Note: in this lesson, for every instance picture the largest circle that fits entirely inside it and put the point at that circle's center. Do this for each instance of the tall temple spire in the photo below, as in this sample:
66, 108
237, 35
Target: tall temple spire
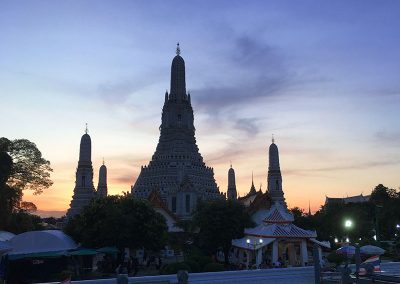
177, 169
232, 193
309, 208
85, 149
102, 185
274, 175
178, 81
84, 188
252, 188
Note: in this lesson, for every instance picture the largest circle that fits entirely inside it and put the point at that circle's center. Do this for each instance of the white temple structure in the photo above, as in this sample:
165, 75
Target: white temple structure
275, 239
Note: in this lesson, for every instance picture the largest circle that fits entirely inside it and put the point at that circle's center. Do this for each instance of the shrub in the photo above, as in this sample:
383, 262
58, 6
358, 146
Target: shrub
194, 266
173, 268
202, 260
213, 267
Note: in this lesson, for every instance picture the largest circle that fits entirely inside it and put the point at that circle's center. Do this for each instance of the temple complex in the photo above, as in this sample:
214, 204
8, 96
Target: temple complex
275, 240
177, 170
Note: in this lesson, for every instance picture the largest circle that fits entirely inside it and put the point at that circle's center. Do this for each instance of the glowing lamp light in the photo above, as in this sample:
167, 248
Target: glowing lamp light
375, 237
348, 224
347, 240
261, 241
398, 226
248, 241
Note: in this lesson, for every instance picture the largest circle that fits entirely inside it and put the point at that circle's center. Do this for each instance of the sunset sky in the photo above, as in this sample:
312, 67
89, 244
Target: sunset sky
322, 76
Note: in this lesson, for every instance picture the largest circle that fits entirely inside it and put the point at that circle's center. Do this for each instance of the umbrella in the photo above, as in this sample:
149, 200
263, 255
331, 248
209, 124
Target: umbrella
373, 250
346, 250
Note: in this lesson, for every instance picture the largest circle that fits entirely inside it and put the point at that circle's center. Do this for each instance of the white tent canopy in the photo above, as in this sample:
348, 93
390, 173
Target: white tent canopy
41, 241
6, 236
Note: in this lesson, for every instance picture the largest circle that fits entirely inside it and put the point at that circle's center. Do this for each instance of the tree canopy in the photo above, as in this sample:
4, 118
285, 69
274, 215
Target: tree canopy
21, 167
219, 222
121, 221
29, 169
377, 216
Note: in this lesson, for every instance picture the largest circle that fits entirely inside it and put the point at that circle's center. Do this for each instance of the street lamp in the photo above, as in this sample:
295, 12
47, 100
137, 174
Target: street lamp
254, 244
348, 224
336, 240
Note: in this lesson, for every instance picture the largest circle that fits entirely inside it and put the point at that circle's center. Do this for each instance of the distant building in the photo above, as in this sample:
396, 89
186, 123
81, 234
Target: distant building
177, 170
346, 200
84, 190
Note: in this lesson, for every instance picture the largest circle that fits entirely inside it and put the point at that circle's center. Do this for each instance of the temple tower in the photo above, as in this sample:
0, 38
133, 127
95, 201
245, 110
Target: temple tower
232, 193
177, 170
84, 190
274, 175
102, 186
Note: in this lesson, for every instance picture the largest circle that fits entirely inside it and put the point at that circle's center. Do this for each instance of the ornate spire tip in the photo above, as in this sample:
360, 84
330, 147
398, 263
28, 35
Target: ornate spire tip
178, 49
273, 138
86, 130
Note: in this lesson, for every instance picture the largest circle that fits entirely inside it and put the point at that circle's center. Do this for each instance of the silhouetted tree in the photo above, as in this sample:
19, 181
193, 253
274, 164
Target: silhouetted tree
29, 169
219, 222
382, 194
121, 221
21, 167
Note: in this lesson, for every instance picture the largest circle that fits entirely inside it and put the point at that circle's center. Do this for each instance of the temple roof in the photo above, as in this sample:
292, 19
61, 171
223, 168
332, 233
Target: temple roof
279, 231
278, 214
156, 201
262, 201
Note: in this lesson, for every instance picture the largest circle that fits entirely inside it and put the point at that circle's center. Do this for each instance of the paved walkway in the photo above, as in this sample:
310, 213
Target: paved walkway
297, 275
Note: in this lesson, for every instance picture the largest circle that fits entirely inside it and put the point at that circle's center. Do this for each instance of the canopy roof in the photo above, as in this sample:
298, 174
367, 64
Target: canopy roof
6, 236
266, 230
4, 247
254, 244
41, 241
324, 244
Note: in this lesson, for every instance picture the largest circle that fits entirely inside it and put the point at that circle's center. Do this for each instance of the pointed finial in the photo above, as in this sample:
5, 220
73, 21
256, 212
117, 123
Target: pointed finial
178, 49
231, 164
252, 178
86, 130
273, 138
103, 161
309, 208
